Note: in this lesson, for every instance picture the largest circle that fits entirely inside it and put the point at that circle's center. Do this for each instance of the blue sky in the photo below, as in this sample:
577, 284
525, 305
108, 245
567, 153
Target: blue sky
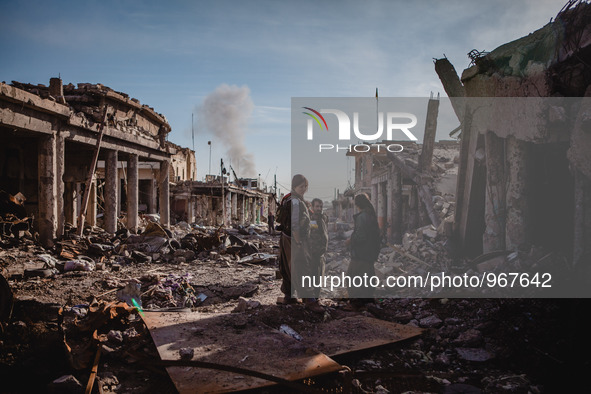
171, 55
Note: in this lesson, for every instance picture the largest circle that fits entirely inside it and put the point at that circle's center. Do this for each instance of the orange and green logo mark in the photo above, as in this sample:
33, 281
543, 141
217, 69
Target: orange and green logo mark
316, 118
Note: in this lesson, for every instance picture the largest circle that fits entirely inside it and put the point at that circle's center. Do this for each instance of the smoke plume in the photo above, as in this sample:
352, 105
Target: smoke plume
225, 113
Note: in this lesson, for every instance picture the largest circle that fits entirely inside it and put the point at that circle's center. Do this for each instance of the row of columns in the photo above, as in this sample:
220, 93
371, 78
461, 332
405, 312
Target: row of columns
238, 206
56, 202
242, 207
386, 197
111, 194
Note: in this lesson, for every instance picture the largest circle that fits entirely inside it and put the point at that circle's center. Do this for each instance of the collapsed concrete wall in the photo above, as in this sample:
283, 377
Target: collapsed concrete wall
524, 168
408, 189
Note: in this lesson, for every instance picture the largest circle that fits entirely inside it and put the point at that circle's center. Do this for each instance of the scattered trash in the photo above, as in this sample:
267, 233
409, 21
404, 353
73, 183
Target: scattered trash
81, 264
284, 328
259, 258
49, 260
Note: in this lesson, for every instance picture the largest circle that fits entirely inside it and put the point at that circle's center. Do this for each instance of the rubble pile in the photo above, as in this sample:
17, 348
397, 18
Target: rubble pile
423, 250
105, 332
465, 347
225, 270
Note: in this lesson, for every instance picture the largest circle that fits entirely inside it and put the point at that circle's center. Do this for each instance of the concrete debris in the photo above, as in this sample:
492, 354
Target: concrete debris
212, 280
115, 337
245, 304
66, 384
430, 322
209, 249
108, 382
284, 328
474, 354
82, 264
186, 353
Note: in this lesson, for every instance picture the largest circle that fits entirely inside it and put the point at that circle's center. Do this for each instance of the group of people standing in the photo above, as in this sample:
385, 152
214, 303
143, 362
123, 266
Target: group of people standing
304, 241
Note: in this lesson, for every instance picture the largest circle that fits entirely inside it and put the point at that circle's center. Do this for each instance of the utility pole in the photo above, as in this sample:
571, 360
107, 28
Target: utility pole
223, 197
377, 111
193, 132
209, 143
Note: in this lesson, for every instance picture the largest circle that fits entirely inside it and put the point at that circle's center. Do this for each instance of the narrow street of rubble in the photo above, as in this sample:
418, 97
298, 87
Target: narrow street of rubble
476, 345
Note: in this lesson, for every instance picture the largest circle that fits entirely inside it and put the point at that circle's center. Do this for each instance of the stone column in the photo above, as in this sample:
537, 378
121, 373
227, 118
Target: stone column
413, 215
396, 205
234, 213
253, 212
186, 208
164, 194
192, 203
60, 165
381, 207
228, 202
582, 222
494, 214
389, 196
153, 201
132, 192
91, 209
78, 200
120, 176
241, 209
69, 210
111, 197
426, 155
47, 178
212, 209
516, 225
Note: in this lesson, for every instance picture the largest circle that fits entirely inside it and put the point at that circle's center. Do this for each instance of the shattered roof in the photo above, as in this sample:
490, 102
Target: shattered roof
85, 99
568, 34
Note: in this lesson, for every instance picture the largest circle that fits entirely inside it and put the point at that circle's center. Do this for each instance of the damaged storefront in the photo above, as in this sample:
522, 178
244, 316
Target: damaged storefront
216, 202
49, 138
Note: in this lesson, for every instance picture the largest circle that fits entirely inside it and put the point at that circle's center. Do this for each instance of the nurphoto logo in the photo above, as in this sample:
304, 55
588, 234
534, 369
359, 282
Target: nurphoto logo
395, 121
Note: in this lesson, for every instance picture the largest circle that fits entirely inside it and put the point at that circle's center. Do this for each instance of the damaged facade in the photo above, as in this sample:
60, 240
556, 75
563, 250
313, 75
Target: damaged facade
408, 189
49, 137
182, 168
524, 178
202, 202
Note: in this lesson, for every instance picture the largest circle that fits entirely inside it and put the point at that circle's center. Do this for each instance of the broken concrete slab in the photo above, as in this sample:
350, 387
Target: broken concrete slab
223, 344
219, 341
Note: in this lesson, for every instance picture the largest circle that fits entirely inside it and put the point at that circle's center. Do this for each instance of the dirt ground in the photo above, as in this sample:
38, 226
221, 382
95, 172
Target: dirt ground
468, 346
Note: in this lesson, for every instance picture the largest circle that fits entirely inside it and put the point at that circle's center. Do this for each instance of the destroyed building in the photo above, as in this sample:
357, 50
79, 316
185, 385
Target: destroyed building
218, 201
524, 175
183, 166
409, 189
49, 136
404, 197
